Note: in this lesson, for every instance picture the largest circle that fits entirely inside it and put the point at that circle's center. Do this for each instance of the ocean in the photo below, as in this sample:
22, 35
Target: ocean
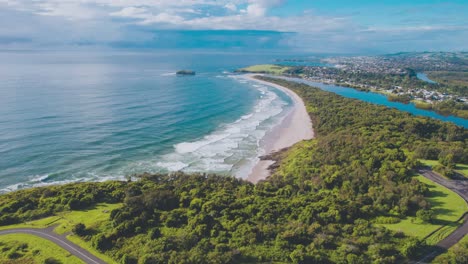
70, 116
91, 116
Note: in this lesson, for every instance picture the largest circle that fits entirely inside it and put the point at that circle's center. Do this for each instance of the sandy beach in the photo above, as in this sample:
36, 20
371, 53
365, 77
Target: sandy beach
295, 127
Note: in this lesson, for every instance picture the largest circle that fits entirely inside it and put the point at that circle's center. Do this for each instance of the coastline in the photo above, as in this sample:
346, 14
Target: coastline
295, 127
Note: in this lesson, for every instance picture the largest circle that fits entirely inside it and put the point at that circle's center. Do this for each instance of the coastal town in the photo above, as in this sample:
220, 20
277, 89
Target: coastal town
431, 80
345, 75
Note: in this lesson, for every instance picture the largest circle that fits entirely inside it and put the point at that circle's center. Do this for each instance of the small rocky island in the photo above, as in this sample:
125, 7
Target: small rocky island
185, 72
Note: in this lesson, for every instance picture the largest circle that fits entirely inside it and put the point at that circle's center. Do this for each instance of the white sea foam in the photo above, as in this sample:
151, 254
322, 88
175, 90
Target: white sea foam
43, 180
168, 74
232, 148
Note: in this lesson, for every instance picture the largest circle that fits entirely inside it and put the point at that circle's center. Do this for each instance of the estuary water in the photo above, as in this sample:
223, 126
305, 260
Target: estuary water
72, 116
380, 99
422, 76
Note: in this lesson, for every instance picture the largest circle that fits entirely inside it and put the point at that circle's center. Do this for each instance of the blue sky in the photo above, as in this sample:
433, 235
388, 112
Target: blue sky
342, 26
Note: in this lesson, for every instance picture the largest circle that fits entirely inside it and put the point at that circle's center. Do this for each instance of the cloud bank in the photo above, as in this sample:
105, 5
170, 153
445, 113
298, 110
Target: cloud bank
46, 23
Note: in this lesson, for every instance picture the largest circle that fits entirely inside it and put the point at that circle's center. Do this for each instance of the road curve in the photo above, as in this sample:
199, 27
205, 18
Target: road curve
459, 186
61, 241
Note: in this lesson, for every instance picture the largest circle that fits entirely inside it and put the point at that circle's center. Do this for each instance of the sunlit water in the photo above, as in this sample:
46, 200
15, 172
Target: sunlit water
76, 116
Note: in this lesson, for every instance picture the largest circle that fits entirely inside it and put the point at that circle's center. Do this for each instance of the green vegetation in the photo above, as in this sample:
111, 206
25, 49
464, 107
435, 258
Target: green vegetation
451, 107
457, 80
447, 206
455, 255
422, 105
462, 169
406, 99
93, 219
29, 249
396, 86
319, 206
265, 68
450, 171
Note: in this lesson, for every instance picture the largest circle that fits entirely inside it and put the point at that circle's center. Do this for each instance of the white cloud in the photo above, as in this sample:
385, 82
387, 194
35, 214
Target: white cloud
256, 10
131, 12
231, 7
109, 20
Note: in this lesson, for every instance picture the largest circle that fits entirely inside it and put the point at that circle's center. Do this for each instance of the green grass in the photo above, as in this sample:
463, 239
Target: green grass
86, 245
448, 208
460, 168
265, 68
24, 248
422, 105
93, 218
429, 163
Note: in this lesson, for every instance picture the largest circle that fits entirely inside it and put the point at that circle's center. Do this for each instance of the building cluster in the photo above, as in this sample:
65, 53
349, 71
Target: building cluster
366, 64
398, 63
344, 76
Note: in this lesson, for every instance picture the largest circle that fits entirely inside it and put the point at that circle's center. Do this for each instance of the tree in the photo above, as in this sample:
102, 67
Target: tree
425, 215
79, 229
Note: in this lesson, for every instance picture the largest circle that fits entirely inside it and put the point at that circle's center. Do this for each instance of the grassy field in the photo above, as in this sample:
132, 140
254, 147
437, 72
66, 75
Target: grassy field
460, 168
24, 248
448, 208
265, 68
429, 163
93, 218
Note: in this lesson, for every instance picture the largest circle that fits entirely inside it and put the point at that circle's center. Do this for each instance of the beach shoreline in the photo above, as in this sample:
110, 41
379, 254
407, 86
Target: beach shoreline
295, 127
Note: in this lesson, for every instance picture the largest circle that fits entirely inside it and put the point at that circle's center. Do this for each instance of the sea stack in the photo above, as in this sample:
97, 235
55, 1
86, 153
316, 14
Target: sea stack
185, 72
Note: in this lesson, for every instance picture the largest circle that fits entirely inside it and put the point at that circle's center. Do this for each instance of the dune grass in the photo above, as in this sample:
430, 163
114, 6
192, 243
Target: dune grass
448, 208
24, 248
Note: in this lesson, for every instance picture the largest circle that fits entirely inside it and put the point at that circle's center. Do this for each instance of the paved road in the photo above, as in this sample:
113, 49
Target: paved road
62, 241
459, 186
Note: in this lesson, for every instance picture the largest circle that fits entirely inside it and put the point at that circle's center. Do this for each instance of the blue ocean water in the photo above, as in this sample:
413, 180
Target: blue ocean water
74, 116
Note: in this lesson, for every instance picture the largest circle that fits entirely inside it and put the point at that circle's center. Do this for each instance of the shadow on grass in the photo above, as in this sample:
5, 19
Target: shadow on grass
434, 194
444, 223
429, 253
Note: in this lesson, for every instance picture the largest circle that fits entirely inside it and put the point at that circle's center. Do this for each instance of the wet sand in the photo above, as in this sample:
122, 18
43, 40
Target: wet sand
295, 127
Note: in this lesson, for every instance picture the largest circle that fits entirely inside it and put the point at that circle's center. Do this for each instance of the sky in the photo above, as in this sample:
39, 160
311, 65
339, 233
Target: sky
327, 26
